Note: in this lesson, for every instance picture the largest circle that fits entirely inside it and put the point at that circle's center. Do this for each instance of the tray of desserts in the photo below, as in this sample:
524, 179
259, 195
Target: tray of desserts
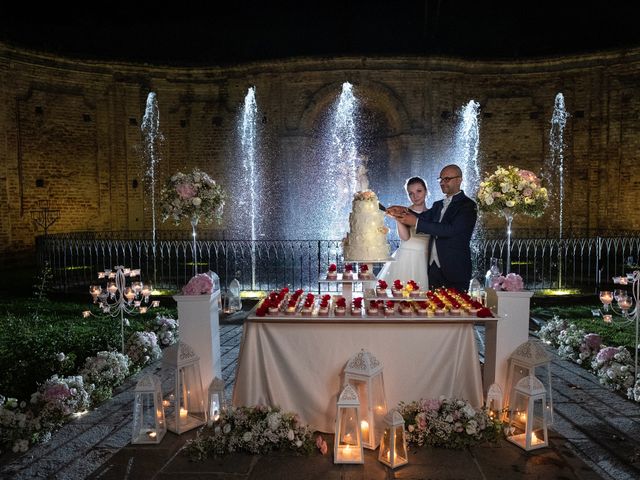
439, 303
349, 274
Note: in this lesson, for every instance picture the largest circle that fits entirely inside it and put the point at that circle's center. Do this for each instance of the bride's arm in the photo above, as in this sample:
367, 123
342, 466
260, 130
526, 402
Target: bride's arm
403, 231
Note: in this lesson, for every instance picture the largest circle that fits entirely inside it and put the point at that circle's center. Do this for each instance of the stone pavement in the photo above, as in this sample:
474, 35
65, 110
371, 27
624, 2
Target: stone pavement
596, 434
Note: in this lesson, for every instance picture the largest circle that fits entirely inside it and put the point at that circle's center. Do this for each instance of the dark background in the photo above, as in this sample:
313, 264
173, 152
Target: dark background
192, 33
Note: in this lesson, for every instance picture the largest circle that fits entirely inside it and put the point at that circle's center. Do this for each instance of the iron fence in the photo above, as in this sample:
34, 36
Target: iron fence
544, 263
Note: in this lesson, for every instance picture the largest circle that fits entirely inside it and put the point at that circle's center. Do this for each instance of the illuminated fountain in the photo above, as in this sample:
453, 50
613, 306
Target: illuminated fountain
554, 174
152, 139
467, 146
248, 135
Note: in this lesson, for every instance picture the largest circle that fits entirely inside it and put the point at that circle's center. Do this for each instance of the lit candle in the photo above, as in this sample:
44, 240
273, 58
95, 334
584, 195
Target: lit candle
86, 313
165, 403
143, 309
348, 453
607, 318
364, 428
152, 435
183, 415
155, 303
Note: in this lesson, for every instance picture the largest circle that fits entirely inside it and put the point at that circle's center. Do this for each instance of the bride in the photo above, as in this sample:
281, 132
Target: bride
411, 257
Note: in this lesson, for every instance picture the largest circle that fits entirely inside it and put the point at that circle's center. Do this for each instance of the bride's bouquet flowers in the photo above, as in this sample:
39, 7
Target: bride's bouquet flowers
194, 196
512, 189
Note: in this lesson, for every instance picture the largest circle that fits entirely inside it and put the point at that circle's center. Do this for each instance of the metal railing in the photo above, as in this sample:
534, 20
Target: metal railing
544, 263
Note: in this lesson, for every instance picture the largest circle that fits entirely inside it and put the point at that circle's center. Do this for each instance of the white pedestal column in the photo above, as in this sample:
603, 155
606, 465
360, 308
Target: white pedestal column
512, 330
199, 327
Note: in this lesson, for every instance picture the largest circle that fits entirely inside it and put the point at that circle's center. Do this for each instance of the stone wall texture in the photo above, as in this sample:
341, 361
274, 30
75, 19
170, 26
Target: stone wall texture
71, 129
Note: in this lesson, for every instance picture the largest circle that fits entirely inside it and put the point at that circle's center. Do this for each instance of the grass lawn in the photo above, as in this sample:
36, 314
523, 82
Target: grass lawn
579, 313
33, 333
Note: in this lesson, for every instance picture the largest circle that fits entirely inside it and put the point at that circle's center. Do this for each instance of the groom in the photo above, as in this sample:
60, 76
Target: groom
450, 222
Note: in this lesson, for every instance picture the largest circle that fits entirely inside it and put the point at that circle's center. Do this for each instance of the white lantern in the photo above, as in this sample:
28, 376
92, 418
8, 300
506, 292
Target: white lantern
523, 362
393, 444
216, 400
527, 415
149, 424
495, 400
186, 408
364, 372
347, 444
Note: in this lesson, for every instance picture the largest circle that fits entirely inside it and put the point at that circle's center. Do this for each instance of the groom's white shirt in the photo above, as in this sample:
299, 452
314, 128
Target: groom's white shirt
434, 252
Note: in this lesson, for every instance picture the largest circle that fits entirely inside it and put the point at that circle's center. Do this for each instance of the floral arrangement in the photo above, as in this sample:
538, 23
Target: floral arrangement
614, 367
448, 423
511, 283
166, 330
16, 424
514, 190
58, 398
201, 284
105, 371
142, 349
550, 332
194, 196
255, 430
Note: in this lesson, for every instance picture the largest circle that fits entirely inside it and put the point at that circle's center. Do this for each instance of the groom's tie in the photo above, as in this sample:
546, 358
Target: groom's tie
445, 204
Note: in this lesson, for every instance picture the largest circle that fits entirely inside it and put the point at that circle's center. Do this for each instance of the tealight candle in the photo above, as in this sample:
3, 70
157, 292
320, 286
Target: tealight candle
183, 415
152, 434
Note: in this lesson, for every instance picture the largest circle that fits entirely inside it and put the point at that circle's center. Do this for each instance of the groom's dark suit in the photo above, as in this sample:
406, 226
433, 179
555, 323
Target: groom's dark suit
452, 236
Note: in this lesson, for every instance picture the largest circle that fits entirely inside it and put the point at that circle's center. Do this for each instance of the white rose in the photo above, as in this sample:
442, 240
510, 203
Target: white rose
196, 201
247, 436
509, 203
298, 443
227, 428
291, 435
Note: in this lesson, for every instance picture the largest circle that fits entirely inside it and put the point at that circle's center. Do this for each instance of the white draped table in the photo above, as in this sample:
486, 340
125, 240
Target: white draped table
297, 362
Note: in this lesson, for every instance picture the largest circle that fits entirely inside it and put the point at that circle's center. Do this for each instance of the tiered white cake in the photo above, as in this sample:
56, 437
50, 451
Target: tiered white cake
367, 237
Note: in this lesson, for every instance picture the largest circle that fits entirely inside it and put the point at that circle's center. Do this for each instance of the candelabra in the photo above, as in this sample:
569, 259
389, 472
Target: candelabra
117, 298
623, 310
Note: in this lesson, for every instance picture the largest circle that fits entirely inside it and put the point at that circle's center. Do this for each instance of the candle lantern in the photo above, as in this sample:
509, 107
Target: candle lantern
216, 400
494, 400
393, 444
149, 424
527, 415
364, 372
530, 358
347, 445
186, 409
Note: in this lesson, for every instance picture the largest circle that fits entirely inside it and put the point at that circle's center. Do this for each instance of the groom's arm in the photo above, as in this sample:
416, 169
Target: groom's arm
461, 224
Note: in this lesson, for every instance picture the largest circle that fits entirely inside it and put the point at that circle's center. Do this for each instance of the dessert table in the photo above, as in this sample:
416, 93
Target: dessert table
296, 362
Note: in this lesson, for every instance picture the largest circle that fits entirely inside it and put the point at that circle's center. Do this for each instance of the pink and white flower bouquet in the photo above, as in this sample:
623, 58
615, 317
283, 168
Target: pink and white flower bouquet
518, 191
201, 284
448, 423
511, 283
192, 196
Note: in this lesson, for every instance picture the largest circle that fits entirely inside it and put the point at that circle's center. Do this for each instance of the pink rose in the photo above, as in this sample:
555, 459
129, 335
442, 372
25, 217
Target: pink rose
324, 448
513, 283
529, 176
201, 284
186, 191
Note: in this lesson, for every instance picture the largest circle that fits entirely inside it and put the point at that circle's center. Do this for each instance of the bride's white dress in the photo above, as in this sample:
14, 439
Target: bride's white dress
410, 262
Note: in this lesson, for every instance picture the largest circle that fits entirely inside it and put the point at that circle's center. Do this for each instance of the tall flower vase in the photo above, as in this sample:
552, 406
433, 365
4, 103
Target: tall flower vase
508, 215
194, 224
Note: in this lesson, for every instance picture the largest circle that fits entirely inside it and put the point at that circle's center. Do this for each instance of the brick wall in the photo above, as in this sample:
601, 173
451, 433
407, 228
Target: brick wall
71, 129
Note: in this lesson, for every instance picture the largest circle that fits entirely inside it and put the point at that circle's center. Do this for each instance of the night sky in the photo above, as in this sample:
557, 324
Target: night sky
246, 31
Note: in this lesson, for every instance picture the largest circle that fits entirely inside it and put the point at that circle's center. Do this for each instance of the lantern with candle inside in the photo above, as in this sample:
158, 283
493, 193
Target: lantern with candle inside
364, 372
530, 358
216, 400
494, 401
188, 409
347, 445
527, 415
393, 444
149, 424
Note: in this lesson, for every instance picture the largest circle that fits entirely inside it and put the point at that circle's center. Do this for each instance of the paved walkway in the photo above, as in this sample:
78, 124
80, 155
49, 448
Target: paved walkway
596, 435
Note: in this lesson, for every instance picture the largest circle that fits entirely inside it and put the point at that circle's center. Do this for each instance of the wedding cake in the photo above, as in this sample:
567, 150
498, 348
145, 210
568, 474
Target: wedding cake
367, 237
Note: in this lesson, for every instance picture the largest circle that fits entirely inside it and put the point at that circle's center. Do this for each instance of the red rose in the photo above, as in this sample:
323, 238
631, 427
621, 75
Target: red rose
348, 267
389, 304
364, 268
484, 313
333, 267
357, 302
397, 284
382, 284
